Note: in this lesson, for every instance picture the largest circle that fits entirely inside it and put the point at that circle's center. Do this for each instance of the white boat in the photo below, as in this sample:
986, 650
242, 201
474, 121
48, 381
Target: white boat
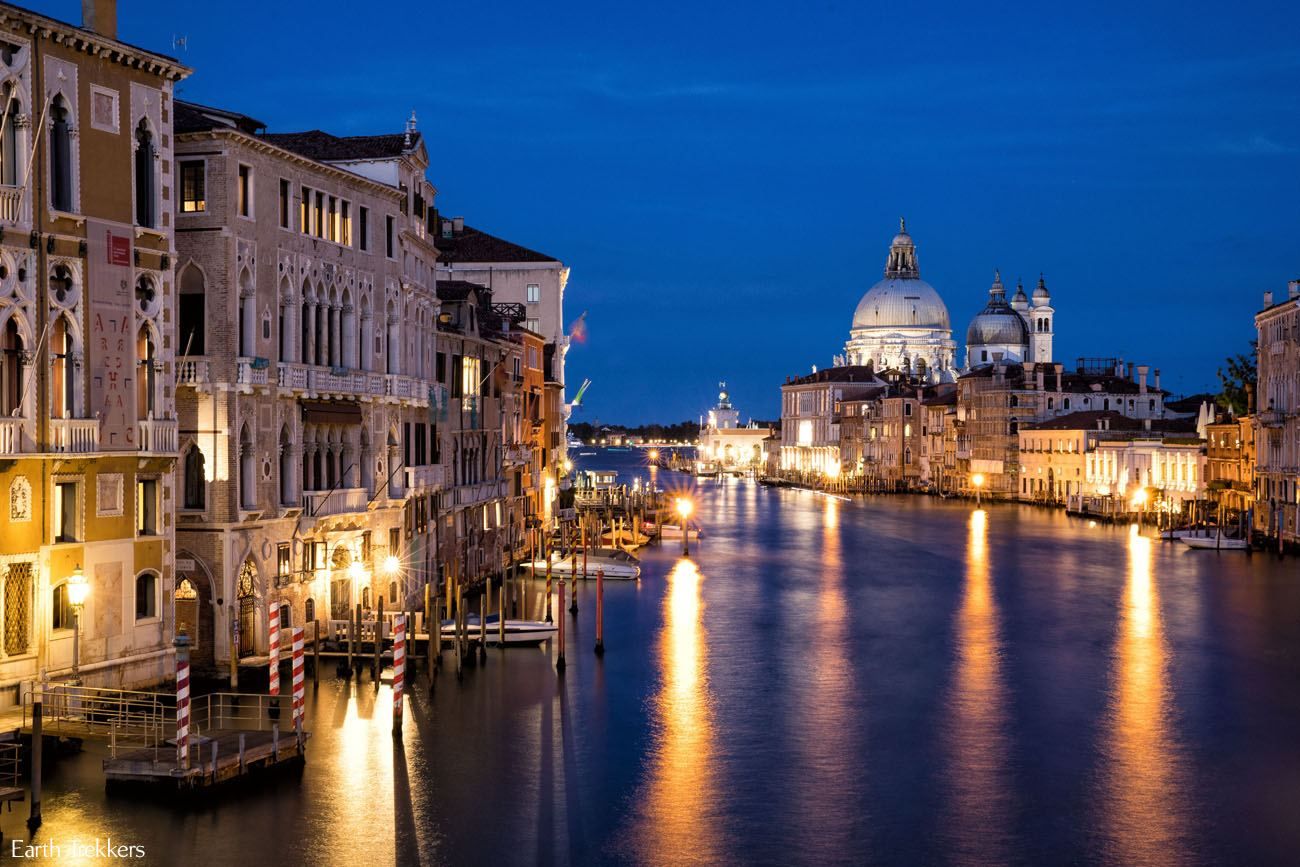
518, 632
674, 531
1185, 532
1216, 542
617, 565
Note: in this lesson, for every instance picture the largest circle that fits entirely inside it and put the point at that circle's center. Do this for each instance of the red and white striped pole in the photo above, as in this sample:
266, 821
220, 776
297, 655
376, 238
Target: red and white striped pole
399, 669
182, 701
298, 680
275, 649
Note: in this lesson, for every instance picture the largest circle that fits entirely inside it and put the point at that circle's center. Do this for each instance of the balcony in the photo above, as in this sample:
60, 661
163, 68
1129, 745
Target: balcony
472, 495
193, 371
517, 454
74, 435
317, 380
252, 372
158, 435
13, 436
340, 501
425, 479
11, 204
1271, 418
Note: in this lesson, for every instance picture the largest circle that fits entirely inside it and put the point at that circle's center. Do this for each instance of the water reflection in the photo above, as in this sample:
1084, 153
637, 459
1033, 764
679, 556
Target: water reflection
979, 800
1144, 819
682, 791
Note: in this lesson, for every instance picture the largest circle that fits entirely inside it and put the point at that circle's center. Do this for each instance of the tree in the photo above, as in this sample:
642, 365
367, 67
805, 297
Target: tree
1238, 380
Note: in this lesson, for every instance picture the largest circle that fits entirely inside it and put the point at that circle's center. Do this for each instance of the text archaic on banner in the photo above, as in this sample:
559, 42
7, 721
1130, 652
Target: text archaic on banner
110, 349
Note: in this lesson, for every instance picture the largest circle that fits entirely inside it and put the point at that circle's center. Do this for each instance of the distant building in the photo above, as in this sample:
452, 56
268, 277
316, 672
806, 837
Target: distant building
1230, 464
1277, 419
727, 446
810, 419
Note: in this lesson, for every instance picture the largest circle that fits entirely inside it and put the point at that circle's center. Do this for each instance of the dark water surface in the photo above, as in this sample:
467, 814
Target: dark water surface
897, 680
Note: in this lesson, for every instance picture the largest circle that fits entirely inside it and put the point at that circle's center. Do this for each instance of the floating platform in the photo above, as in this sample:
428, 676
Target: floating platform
239, 753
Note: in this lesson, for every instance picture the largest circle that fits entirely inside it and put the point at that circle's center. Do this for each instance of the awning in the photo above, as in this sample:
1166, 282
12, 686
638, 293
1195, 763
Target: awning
331, 412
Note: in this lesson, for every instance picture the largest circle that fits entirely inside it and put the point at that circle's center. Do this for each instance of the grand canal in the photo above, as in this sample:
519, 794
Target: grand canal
896, 680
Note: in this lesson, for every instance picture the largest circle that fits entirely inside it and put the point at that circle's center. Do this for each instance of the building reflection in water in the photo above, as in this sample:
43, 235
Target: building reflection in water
1144, 817
677, 824
979, 801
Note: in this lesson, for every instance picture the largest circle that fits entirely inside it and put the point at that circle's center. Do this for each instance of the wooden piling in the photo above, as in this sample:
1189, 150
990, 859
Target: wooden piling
547, 554
482, 621
559, 658
460, 639
242, 747
234, 651
34, 817
600, 612
375, 666
573, 571
501, 616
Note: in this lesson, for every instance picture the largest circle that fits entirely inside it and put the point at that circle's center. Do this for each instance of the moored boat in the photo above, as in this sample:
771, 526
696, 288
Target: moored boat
519, 633
617, 565
1216, 542
674, 531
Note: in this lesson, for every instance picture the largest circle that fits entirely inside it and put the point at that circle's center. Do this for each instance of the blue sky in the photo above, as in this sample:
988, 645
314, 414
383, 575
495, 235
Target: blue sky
724, 179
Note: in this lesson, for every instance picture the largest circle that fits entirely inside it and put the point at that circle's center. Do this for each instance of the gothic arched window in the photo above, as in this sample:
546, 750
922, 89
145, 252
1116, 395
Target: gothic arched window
145, 193
60, 155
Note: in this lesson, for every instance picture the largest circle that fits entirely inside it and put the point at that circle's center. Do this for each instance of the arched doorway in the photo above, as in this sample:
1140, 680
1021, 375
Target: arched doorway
194, 613
247, 602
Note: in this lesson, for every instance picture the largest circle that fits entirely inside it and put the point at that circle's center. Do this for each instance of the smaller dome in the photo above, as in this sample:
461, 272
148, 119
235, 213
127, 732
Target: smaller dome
997, 328
1020, 297
1041, 295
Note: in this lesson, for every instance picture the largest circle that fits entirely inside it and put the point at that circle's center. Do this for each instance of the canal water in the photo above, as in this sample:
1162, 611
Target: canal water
896, 680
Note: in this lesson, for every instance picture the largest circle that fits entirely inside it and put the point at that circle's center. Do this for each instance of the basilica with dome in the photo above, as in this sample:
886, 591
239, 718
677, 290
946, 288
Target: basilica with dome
902, 324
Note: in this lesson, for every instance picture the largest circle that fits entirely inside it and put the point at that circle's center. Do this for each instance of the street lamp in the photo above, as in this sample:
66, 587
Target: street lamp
77, 592
684, 510
978, 481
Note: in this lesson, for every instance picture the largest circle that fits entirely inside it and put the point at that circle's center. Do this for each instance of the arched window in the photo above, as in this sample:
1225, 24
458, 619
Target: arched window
63, 391
247, 471
286, 468
1013, 426
393, 348
195, 483
146, 595
392, 592
10, 171
192, 312
145, 381
247, 316
145, 194
309, 611
286, 331
60, 155
11, 360
286, 621
306, 347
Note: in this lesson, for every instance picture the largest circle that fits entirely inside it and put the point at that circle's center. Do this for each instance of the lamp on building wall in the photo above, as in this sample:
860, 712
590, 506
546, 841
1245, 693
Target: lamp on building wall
77, 591
978, 481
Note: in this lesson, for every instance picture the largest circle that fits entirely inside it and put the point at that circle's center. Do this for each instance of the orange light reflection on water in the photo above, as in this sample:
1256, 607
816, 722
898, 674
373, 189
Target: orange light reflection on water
1144, 811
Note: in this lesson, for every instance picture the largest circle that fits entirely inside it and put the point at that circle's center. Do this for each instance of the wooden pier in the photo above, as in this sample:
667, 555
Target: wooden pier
219, 757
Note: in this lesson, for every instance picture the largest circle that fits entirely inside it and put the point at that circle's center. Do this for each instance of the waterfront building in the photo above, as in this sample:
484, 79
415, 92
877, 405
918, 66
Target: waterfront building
727, 445
481, 517
516, 275
995, 400
939, 441
1097, 460
1017, 331
306, 314
87, 305
901, 322
883, 434
1277, 419
810, 419
1230, 464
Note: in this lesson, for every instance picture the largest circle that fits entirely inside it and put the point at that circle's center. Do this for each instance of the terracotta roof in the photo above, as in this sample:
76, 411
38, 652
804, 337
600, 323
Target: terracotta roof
475, 245
316, 144
1088, 420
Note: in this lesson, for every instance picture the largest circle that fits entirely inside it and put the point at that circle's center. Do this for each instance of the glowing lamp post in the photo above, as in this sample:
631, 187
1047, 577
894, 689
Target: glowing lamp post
1139, 502
77, 591
978, 481
684, 508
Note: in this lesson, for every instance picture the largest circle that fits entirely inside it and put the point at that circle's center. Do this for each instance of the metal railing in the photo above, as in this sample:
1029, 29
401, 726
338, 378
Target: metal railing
10, 765
137, 718
224, 711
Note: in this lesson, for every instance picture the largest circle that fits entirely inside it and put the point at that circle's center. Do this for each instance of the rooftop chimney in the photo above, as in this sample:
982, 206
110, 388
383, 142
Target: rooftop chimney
1142, 378
1040, 373
1268, 299
1146, 424
100, 16
1293, 289
1130, 371
1156, 386
458, 224
1059, 367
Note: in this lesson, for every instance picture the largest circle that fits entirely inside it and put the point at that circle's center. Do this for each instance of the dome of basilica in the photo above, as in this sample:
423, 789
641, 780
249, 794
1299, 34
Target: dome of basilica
998, 324
902, 299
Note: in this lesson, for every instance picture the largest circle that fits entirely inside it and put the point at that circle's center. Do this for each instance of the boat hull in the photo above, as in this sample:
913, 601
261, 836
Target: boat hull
614, 571
519, 633
1210, 543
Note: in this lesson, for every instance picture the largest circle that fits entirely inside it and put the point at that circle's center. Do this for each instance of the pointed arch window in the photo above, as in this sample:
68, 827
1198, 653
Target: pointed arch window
145, 377
195, 483
60, 155
10, 171
11, 362
247, 471
192, 312
63, 372
146, 209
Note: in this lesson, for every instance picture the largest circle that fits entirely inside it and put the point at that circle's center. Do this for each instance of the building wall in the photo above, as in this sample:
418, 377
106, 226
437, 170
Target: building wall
1277, 420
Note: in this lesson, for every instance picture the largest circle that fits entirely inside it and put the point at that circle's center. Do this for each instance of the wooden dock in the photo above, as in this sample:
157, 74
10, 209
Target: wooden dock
216, 758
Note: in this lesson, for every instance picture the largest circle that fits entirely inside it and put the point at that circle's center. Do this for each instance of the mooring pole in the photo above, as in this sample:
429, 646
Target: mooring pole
559, 658
600, 612
34, 819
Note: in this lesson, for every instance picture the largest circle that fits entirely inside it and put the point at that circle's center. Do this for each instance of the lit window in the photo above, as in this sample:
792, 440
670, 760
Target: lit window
146, 507
193, 193
146, 596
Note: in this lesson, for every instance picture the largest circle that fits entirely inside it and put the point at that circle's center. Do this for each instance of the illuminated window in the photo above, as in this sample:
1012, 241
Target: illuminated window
805, 432
193, 187
245, 191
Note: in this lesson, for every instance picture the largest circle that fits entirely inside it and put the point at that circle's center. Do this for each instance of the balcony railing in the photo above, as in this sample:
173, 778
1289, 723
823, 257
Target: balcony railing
12, 436
74, 435
252, 371
158, 435
193, 371
425, 478
517, 454
1271, 418
471, 495
11, 204
339, 501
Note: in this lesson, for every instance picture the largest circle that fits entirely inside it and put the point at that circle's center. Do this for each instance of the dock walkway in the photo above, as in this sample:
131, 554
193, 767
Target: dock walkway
218, 757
